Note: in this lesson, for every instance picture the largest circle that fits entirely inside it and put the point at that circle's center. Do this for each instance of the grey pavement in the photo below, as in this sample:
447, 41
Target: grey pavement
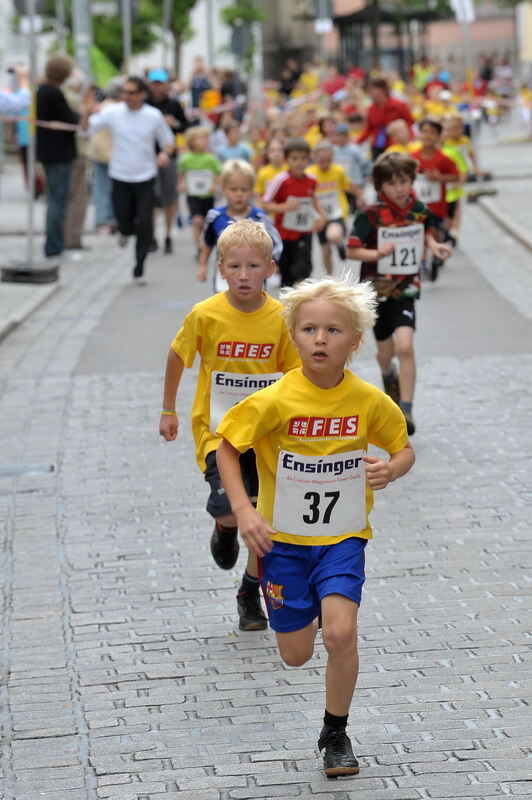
124, 673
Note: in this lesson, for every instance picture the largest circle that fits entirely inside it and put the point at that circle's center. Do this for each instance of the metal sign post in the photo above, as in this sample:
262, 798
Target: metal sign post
30, 13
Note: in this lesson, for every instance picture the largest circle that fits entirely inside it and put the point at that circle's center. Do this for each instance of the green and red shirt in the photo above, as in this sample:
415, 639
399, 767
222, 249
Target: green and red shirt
397, 275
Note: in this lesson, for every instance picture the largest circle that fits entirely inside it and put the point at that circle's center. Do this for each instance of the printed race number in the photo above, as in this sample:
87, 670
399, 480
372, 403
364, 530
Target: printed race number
315, 499
320, 496
302, 219
406, 258
427, 191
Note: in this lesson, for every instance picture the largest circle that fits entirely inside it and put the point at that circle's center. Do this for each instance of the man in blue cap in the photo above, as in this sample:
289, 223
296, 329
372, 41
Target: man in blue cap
166, 181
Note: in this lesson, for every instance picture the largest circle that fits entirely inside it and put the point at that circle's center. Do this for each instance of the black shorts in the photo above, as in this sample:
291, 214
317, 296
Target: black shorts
452, 208
322, 235
218, 504
166, 185
199, 206
392, 314
295, 263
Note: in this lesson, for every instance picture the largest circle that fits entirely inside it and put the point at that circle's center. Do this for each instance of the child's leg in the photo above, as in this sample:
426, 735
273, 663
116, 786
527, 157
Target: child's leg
297, 647
385, 353
327, 258
339, 615
197, 227
404, 349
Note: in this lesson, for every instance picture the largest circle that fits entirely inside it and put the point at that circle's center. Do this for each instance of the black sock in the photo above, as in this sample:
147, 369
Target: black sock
249, 585
390, 376
332, 721
224, 528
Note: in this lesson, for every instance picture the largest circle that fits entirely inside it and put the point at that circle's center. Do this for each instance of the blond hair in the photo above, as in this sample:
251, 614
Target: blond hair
245, 232
237, 167
193, 133
358, 299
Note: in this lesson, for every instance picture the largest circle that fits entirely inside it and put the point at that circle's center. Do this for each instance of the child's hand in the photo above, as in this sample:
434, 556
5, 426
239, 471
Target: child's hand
441, 250
320, 223
202, 273
385, 249
168, 427
378, 472
292, 204
163, 159
255, 532
434, 174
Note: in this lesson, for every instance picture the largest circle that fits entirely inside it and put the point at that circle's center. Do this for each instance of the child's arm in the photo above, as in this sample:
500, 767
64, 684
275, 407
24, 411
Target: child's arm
437, 249
280, 208
369, 256
322, 221
380, 473
203, 261
169, 422
253, 528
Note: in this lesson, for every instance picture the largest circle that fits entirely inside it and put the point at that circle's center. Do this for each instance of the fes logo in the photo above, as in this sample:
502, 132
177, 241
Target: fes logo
314, 427
245, 350
274, 593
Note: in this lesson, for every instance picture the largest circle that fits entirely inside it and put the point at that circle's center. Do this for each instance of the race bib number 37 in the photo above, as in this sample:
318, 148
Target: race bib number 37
320, 496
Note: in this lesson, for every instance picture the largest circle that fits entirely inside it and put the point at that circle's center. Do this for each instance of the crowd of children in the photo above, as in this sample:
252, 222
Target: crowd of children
281, 426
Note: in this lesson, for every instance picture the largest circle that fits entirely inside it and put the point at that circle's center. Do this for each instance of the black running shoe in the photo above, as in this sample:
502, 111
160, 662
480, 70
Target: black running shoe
410, 425
338, 758
138, 271
225, 547
167, 245
436, 265
153, 246
250, 611
391, 387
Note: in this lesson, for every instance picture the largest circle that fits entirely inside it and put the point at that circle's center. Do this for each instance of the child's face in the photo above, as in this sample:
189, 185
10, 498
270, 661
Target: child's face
399, 133
429, 137
237, 191
297, 161
324, 337
324, 158
341, 139
245, 269
454, 128
233, 135
275, 154
397, 189
199, 143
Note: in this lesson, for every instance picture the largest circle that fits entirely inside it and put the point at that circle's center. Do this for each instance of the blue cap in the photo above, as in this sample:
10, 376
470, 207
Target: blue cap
158, 75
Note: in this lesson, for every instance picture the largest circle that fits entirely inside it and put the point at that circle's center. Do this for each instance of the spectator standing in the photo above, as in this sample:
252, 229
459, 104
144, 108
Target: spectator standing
56, 149
99, 151
199, 82
166, 182
21, 99
78, 190
135, 129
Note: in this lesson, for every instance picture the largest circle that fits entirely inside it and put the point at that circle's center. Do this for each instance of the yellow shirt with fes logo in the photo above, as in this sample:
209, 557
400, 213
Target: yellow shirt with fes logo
309, 444
240, 352
333, 183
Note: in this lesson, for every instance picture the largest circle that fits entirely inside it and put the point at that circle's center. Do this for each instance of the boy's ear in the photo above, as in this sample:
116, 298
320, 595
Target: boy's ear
221, 268
271, 269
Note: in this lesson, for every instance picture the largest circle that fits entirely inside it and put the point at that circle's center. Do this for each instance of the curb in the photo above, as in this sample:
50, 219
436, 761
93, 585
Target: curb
502, 219
38, 296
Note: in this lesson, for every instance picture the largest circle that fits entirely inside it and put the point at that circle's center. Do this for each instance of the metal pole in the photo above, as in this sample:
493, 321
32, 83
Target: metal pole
30, 13
126, 34
167, 13
60, 23
82, 27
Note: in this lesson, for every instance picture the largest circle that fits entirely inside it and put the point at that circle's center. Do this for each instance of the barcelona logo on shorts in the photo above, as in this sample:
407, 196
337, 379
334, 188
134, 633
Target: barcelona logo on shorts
274, 593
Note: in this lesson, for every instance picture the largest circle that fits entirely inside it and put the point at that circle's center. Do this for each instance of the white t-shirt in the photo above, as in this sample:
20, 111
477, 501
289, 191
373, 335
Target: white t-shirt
133, 137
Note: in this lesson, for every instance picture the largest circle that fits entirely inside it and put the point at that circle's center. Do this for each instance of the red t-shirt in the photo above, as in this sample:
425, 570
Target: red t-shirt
379, 117
442, 163
282, 187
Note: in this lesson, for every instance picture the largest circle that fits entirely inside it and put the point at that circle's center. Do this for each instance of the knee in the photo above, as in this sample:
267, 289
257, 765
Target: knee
404, 350
340, 638
295, 658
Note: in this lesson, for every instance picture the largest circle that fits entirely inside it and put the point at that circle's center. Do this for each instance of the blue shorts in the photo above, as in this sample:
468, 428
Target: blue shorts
295, 578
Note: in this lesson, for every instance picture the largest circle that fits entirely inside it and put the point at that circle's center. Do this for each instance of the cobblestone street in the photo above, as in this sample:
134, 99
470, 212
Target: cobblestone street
124, 674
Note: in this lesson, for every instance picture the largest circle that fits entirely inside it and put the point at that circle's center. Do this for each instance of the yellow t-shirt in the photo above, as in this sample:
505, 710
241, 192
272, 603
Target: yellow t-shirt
234, 346
265, 176
465, 145
313, 136
333, 183
309, 443
407, 148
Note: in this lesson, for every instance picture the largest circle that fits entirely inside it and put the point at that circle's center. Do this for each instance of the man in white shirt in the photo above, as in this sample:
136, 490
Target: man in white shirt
135, 129
20, 100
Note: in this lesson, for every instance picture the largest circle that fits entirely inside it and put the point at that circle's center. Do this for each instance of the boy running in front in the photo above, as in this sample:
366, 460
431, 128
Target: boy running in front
244, 345
310, 432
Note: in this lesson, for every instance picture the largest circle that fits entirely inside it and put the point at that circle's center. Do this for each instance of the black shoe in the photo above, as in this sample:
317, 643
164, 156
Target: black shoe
437, 263
342, 252
167, 245
410, 426
338, 758
153, 246
138, 271
391, 387
225, 547
250, 612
